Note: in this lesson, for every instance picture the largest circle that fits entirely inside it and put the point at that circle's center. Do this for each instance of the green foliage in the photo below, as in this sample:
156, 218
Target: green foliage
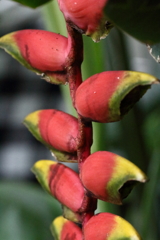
32, 3
26, 212
140, 19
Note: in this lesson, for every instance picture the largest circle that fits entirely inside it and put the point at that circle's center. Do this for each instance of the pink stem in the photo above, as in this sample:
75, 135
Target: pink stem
74, 60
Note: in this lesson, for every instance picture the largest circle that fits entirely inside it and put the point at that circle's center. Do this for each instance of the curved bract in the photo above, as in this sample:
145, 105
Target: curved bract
55, 129
40, 51
111, 177
108, 96
107, 226
62, 183
87, 17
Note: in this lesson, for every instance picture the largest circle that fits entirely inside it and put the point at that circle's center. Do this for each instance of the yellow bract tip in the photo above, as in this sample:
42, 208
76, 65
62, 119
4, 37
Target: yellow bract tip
32, 117
41, 170
57, 226
124, 230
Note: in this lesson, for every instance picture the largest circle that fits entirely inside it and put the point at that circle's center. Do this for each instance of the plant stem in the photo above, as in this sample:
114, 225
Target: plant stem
74, 60
84, 138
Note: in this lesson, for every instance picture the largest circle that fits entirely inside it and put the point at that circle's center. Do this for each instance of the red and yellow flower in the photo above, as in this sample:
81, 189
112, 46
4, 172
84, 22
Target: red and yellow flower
107, 96
110, 177
41, 51
107, 226
55, 129
62, 183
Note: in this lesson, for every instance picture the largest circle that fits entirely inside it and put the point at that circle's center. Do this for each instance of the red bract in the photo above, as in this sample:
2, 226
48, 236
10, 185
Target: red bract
59, 129
63, 184
107, 96
110, 177
41, 51
107, 226
71, 232
54, 128
86, 16
45, 51
63, 229
66, 186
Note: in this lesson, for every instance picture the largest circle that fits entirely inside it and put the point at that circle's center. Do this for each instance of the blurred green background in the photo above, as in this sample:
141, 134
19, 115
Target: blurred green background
26, 211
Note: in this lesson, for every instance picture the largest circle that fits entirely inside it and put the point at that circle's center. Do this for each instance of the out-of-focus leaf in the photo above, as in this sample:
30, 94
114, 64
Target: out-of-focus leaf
154, 51
26, 212
151, 130
140, 19
32, 3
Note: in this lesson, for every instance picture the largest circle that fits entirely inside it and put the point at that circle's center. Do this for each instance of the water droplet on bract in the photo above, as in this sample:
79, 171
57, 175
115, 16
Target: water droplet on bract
95, 92
53, 155
47, 79
118, 77
42, 75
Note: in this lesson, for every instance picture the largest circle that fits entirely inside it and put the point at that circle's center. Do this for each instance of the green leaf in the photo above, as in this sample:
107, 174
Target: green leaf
139, 19
151, 128
32, 3
26, 211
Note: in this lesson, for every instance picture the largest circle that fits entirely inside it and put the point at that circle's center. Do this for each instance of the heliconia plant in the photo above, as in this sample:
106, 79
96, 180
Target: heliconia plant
104, 97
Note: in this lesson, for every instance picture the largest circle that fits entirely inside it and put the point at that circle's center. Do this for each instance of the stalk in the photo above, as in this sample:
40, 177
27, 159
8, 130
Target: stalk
84, 139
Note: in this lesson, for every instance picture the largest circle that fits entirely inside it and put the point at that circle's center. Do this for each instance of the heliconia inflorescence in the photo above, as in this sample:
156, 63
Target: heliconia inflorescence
111, 177
104, 97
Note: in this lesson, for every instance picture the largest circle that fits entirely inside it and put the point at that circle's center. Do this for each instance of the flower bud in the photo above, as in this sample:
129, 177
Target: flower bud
87, 17
63, 229
62, 183
110, 177
107, 226
56, 129
40, 51
107, 96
